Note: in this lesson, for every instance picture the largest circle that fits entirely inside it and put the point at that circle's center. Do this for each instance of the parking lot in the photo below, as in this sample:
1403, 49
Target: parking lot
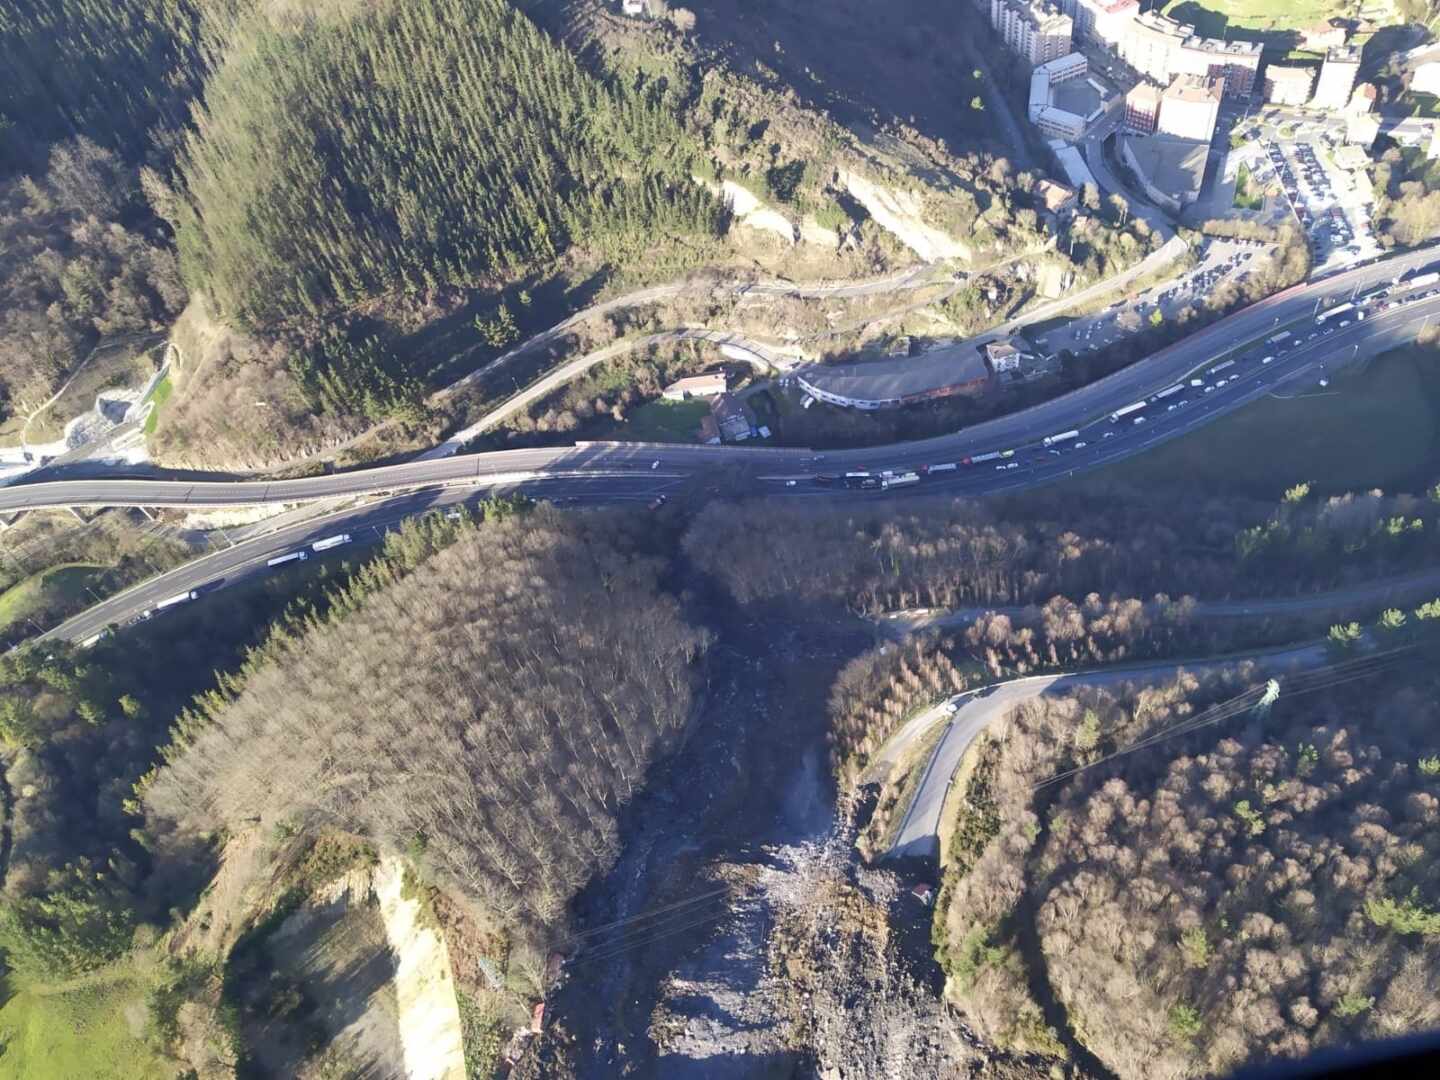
1299, 156
1221, 260
1326, 206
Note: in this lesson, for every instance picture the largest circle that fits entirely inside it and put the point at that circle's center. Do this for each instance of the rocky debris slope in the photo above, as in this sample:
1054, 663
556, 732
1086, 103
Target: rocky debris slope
808, 977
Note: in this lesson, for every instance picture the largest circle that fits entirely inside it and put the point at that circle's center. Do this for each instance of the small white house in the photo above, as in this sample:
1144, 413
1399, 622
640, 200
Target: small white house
696, 386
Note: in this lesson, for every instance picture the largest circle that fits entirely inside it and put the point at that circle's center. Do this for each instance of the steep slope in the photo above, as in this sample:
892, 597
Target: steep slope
412, 144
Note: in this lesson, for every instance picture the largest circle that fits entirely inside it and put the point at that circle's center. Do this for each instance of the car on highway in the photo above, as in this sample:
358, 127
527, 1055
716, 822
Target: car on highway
654, 465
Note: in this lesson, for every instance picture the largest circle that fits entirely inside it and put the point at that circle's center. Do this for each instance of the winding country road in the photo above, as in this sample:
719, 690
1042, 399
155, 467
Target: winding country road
1402, 588
919, 832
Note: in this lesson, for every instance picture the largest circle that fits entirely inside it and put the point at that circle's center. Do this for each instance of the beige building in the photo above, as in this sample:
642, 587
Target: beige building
1337, 78
1142, 109
1288, 85
1190, 106
1032, 29
1326, 35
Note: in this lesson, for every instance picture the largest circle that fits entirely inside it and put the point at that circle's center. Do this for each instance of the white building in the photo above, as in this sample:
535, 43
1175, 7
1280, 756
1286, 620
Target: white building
1189, 107
1288, 85
1426, 78
696, 386
1043, 113
1337, 78
1033, 29
1104, 22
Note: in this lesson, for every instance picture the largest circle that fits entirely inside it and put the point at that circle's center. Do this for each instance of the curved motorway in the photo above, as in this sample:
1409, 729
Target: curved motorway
1084, 409
638, 472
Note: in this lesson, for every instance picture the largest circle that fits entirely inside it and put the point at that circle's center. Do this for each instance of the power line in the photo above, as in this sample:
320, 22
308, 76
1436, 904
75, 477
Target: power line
608, 951
649, 914
1305, 683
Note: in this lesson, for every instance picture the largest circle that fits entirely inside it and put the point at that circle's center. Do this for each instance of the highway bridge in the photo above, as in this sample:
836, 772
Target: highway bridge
610, 473
1295, 308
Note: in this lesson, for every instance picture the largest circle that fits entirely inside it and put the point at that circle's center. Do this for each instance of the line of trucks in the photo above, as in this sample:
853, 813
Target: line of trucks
194, 594
887, 479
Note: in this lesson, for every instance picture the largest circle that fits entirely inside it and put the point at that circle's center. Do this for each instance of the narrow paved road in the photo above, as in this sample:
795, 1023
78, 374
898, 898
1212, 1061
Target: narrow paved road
919, 832
1390, 590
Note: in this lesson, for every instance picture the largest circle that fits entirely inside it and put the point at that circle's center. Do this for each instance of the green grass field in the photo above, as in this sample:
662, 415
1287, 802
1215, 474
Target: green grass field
58, 585
664, 421
1376, 427
92, 1030
1212, 17
1247, 193
161, 394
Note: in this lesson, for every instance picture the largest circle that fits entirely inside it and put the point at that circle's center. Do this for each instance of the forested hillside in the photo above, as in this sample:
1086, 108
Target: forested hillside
1258, 887
1028, 549
406, 145
111, 70
490, 714
80, 259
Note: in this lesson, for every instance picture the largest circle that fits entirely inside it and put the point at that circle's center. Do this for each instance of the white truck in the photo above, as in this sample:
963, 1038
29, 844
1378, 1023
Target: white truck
294, 556
1064, 436
894, 480
178, 598
330, 542
1120, 414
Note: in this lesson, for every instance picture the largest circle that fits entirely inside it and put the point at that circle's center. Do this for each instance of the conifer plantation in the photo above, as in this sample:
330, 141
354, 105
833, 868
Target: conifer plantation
411, 145
111, 70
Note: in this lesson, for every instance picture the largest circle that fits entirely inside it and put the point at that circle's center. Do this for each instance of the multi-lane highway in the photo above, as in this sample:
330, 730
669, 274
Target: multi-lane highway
365, 524
637, 472
1078, 409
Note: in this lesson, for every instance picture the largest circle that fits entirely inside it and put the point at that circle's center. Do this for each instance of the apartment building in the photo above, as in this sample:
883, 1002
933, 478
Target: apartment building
1337, 78
1034, 30
1043, 113
1102, 21
1162, 48
1288, 85
1190, 107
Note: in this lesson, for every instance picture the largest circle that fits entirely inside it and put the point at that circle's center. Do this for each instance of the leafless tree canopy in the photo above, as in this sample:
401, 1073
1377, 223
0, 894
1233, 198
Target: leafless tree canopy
71, 273
1258, 889
495, 707
883, 557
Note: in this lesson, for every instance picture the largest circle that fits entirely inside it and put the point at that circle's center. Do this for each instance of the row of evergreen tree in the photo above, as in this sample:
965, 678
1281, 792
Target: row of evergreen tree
111, 70
410, 146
